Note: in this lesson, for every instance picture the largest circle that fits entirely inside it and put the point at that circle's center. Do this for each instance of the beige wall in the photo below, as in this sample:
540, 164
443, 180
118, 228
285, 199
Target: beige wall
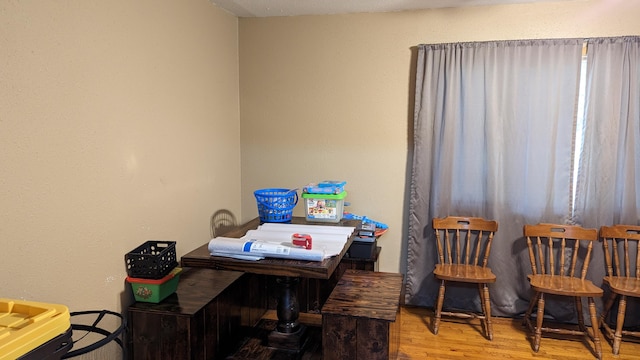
330, 97
119, 123
124, 121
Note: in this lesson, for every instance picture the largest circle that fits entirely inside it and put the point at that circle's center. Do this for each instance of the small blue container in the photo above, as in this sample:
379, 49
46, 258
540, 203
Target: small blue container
276, 205
325, 187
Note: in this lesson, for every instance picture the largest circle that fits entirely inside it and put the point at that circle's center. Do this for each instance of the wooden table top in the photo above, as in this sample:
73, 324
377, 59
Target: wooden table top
201, 257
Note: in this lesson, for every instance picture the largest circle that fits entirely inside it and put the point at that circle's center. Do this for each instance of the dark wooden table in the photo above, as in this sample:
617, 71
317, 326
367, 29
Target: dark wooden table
289, 333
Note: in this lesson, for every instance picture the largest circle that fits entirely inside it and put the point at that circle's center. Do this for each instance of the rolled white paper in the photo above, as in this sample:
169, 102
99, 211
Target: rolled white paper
231, 247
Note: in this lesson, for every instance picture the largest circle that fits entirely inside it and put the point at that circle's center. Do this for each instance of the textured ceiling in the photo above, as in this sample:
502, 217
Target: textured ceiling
266, 8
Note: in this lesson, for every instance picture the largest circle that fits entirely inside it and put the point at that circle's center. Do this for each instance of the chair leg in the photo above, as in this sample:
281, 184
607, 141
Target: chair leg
532, 304
486, 309
594, 327
607, 307
539, 318
606, 329
578, 304
438, 315
617, 337
483, 311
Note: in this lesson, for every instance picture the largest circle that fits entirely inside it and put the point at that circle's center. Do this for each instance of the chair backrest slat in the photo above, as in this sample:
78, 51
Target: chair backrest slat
638, 259
458, 246
487, 250
587, 260
467, 240
532, 257
555, 249
619, 258
447, 239
627, 267
467, 248
439, 247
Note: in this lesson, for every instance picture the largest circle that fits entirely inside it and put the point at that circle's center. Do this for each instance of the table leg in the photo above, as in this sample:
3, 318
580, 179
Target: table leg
289, 333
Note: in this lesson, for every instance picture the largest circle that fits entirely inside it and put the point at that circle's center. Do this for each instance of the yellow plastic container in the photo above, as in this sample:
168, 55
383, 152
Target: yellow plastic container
25, 325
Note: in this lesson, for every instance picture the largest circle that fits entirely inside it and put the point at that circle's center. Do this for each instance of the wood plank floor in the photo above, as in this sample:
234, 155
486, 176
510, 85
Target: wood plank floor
460, 339
456, 339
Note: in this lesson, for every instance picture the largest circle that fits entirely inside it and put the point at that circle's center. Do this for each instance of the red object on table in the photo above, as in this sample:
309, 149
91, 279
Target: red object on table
303, 240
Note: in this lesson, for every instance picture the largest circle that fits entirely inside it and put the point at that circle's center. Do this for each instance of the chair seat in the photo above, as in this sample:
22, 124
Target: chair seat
623, 285
464, 273
564, 285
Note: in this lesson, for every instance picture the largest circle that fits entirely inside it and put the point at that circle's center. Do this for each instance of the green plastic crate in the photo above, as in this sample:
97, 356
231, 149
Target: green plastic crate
152, 290
324, 207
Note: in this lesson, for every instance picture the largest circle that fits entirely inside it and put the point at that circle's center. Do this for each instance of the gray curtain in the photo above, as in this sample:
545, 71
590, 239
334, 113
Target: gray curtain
608, 190
608, 186
493, 130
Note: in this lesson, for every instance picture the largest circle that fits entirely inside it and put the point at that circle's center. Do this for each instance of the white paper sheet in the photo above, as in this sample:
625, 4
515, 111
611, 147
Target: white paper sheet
285, 236
274, 240
299, 228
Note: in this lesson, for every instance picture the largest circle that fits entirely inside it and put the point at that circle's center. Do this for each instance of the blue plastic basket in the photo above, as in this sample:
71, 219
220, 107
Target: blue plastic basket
276, 205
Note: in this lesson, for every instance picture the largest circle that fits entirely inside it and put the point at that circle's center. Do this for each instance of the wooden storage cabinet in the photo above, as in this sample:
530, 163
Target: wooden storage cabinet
361, 318
199, 321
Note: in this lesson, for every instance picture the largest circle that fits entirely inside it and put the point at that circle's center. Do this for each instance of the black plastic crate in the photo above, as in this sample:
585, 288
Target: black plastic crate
152, 260
363, 250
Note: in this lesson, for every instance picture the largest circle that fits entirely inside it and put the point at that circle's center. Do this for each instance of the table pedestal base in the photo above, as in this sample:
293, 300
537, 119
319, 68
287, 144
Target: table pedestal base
254, 344
288, 341
289, 333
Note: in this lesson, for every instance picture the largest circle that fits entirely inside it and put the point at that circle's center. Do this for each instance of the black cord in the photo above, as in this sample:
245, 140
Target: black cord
109, 335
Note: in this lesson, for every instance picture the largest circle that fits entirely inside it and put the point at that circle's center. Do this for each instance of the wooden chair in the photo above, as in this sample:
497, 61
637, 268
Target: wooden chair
622, 258
560, 257
464, 244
